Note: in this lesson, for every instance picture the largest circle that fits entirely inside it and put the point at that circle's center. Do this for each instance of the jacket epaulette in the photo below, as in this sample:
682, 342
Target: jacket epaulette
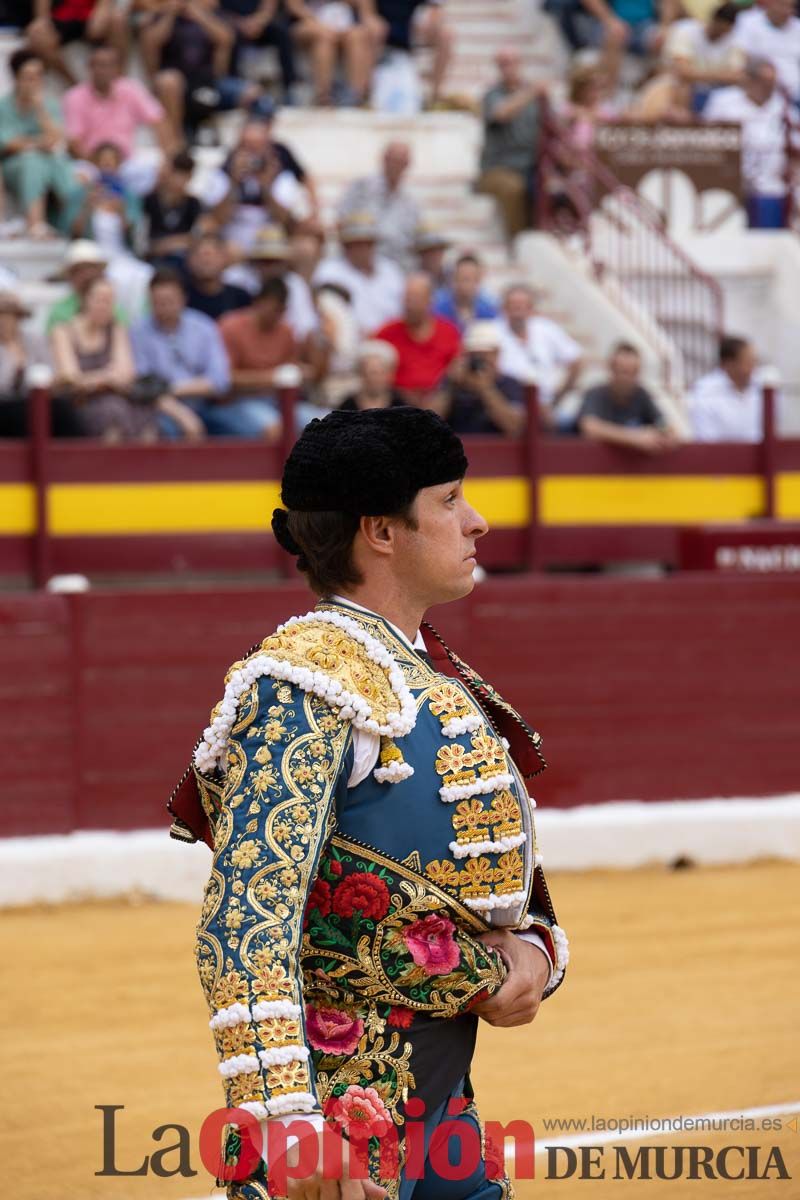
329, 655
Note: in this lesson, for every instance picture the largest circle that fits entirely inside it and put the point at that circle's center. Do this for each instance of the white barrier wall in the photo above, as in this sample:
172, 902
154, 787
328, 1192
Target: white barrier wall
147, 863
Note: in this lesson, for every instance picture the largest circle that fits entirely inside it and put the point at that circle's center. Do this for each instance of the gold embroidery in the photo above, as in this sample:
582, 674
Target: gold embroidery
287, 1077
282, 771
319, 646
448, 700
470, 821
506, 813
476, 877
244, 1088
238, 1039
443, 873
509, 873
279, 1031
452, 759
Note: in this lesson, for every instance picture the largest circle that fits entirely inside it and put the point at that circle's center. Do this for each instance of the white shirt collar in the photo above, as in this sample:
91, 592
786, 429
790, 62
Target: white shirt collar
417, 644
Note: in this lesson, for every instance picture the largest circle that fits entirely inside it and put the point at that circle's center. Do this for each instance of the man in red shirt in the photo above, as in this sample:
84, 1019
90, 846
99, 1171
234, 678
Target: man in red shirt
425, 343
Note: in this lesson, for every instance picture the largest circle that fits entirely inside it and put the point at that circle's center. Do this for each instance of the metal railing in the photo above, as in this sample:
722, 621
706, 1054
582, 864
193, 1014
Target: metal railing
625, 240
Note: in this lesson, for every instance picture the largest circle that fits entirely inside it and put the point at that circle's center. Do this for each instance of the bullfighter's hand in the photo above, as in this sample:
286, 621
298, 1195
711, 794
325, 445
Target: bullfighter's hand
517, 1001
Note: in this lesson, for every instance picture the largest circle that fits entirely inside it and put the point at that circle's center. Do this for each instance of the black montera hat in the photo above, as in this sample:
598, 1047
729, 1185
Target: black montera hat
367, 463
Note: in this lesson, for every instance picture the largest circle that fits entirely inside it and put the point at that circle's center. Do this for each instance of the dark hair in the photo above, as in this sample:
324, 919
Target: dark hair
165, 276
182, 161
209, 235
730, 348
624, 348
274, 289
325, 540
102, 146
21, 58
99, 47
727, 13
468, 258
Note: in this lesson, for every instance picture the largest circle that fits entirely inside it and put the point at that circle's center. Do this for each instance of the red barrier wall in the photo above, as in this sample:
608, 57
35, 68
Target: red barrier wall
642, 689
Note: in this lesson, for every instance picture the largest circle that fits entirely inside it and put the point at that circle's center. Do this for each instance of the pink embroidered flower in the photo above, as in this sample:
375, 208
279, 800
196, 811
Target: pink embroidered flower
432, 945
333, 1031
361, 1113
365, 893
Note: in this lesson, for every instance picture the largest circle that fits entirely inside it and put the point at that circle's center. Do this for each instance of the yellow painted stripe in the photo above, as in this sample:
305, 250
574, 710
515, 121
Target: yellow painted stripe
648, 500
17, 509
504, 502
228, 506
139, 508
787, 495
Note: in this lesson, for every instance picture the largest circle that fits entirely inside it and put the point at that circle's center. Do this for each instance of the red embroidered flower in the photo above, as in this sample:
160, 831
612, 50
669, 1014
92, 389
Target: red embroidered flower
390, 1156
400, 1017
494, 1158
360, 1113
364, 893
335, 867
483, 994
432, 945
333, 1031
318, 898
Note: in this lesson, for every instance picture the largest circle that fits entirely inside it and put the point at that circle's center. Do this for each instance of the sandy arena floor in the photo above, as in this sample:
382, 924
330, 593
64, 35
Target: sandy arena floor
681, 999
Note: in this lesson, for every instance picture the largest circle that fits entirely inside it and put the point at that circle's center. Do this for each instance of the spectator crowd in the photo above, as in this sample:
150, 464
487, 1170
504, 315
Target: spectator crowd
189, 307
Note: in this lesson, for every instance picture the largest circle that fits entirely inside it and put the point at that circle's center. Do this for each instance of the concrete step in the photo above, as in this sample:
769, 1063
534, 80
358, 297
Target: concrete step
32, 261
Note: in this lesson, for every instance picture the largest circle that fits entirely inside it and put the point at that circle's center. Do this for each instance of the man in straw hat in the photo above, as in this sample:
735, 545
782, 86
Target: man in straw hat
377, 886
269, 258
374, 283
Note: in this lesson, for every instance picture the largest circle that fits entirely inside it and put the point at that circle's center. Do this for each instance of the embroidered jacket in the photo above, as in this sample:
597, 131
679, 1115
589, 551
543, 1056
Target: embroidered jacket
340, 919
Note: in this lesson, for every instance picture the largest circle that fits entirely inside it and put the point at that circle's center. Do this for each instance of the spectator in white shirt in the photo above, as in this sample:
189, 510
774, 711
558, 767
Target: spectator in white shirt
534, 349
705, 54
375, 284
726, 405
772, 31
396, 209
762, 111
255, 188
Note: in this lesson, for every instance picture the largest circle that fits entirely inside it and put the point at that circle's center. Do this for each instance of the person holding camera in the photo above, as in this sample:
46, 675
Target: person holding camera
481, 400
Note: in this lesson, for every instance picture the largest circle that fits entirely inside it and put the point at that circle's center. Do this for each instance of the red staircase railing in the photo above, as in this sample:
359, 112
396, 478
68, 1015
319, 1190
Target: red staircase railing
627, 245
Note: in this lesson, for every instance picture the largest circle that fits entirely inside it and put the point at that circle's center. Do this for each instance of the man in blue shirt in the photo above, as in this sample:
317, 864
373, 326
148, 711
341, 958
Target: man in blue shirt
185, 349
463, 301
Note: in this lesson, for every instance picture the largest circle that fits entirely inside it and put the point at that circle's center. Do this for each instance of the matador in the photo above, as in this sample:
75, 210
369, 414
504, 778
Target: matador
376, 887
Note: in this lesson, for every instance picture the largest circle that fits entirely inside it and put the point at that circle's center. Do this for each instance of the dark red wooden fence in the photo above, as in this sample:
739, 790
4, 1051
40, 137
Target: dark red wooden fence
684, 687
